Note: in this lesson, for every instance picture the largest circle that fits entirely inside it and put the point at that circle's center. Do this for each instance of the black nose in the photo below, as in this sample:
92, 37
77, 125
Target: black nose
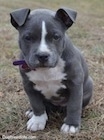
43, 57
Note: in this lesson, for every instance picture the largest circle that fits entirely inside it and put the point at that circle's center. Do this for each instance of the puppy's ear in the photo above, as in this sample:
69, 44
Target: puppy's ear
18, 17
67, 16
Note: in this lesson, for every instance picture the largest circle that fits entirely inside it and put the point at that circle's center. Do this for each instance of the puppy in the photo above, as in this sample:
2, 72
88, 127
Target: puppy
57, 73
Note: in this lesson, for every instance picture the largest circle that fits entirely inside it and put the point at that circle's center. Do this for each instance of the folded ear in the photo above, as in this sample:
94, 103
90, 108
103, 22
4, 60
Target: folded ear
18, 17
67, 16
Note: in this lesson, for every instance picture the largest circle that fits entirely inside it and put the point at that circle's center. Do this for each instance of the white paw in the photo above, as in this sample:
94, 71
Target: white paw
69, 129
37, 122
29, 113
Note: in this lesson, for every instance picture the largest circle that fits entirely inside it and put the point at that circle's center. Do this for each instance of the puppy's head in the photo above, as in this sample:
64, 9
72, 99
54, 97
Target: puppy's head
42, 34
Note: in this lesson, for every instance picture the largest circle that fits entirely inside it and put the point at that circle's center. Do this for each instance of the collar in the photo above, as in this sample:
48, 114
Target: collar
22, 64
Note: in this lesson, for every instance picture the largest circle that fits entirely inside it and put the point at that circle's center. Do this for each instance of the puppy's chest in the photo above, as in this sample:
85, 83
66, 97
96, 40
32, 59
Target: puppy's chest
48, 80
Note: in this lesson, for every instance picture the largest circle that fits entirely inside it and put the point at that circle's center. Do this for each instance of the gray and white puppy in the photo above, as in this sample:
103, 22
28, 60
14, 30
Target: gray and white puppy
58, 74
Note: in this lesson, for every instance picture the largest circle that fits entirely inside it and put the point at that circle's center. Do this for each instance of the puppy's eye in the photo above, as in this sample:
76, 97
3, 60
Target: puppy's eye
27, 37
56, 36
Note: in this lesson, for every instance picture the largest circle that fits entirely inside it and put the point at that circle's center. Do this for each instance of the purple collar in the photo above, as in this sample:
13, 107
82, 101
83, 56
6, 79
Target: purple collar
22, 64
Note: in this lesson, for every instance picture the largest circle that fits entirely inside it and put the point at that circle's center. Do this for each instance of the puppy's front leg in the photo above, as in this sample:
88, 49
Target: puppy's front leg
38, 117
74, 109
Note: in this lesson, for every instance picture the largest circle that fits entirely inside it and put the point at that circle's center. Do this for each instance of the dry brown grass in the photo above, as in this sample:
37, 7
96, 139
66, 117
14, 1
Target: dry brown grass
88, 34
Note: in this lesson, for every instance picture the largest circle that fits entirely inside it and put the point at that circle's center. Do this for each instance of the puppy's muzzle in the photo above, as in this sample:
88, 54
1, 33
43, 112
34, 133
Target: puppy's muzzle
43, 57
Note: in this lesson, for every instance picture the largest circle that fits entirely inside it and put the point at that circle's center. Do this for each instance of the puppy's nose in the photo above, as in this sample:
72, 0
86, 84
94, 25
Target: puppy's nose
43, 57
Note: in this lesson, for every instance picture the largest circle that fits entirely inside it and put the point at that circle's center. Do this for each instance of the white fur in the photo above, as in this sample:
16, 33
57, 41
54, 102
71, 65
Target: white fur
37, 122
69, 129
43, 46
48, 80
29, 114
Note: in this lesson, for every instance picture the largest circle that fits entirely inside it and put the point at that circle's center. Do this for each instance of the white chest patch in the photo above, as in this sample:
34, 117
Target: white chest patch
48, 80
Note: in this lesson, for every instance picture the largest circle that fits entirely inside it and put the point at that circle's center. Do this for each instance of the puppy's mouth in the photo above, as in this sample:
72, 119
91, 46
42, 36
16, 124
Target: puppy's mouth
23, 65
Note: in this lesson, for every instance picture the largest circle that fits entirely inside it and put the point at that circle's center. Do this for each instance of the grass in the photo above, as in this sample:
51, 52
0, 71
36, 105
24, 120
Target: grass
88, 35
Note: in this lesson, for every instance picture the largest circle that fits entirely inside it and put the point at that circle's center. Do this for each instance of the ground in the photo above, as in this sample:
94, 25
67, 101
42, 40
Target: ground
88, 34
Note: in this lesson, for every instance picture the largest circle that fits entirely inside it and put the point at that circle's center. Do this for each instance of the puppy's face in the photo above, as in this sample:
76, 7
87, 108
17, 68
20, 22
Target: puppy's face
41, 35
41, 40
